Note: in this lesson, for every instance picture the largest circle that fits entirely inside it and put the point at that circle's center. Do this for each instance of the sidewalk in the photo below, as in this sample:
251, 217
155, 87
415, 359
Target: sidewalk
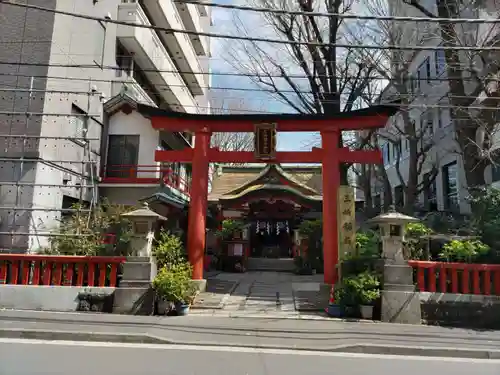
262, 293
323, 335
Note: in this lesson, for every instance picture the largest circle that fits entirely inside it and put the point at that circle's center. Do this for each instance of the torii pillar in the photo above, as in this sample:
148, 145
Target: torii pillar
331, 182
198, 205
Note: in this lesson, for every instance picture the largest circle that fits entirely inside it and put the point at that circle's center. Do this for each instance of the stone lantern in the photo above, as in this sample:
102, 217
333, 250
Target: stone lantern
392, 226
143, 221
400, 300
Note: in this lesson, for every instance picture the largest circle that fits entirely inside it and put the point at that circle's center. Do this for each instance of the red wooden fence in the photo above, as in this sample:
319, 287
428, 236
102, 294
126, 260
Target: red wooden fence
483, 279
27, 269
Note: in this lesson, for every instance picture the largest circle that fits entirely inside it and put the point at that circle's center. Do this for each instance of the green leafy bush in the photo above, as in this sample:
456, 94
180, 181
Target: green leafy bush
464, 250
174, 283
368, 244
416, 240
361, 289
229, 227
169, 250
85, 233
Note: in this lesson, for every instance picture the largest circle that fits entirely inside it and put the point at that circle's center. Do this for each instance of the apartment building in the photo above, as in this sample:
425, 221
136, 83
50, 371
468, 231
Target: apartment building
427, 87
67, 125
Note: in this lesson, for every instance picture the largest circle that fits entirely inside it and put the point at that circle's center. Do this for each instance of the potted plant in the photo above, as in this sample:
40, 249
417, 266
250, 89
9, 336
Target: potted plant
362, 290
174, 284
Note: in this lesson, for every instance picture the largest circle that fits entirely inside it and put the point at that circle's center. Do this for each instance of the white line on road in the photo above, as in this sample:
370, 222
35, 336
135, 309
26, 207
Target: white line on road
240, 350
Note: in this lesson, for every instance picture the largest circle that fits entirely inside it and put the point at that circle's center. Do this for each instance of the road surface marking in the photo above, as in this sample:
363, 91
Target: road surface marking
239, 350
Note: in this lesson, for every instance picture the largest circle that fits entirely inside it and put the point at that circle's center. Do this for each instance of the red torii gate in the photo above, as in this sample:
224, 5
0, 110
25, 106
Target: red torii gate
330, 155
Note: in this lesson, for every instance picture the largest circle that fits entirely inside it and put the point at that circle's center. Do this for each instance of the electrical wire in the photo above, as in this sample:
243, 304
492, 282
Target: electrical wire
254, 39
343, 15
399, 96
224, 74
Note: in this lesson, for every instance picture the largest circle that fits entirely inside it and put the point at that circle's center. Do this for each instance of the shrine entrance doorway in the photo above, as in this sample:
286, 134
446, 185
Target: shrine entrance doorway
271, 239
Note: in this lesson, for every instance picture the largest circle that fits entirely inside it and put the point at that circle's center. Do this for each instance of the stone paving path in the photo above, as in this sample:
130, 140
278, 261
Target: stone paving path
274, 294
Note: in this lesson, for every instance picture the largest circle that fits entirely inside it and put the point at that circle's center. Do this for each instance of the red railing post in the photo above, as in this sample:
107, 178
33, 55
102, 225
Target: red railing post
36, 273
442, 279
496, 282
432, 278
3, 272
465, 281
68, 278
487, 282
476, 281
15, 272
80, 269
113, 275
25, 276
454, 280
47, 273
103, 268
58, 273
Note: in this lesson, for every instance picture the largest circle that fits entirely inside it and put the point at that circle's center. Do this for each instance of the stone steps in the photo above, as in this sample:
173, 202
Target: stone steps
272, 265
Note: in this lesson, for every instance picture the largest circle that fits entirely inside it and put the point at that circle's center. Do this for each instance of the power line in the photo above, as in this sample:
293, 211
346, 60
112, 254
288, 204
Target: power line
400, 96
344, 16
254, 39
228, 74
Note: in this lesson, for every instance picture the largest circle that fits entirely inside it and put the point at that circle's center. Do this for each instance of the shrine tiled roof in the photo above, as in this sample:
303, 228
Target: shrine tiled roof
259, 187
230, 179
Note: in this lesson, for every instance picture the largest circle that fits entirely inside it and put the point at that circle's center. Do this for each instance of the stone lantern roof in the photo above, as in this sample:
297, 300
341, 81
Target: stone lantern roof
144, 213
393, 217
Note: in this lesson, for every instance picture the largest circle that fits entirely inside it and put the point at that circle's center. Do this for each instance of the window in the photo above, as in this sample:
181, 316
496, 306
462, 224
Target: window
423, 73
386, 153
78, 125
450, 186
439, 62
427, 124
495, 169
399, 197
123, 156
430, 192
99, 43
440, 121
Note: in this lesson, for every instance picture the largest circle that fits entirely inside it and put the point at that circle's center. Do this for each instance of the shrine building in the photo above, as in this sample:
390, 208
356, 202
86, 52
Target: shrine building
272, 200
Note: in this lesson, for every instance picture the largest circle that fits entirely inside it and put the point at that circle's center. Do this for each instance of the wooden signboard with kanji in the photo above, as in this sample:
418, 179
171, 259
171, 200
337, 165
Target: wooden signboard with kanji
265, 141
346, 221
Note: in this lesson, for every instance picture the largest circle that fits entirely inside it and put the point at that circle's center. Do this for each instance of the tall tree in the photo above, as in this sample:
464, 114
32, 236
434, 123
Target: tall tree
319, 77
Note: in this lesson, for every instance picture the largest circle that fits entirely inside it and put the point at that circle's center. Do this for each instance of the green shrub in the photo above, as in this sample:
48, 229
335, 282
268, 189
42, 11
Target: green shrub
464, 250
361, 289
174, 283
416, 240
169, 250
229, 227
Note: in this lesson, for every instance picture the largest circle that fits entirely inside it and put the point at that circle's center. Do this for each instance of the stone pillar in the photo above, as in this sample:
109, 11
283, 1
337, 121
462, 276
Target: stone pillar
400, 300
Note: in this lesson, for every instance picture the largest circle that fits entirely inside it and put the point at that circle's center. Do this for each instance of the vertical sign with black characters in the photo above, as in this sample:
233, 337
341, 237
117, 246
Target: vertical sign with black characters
265, 141
346, 222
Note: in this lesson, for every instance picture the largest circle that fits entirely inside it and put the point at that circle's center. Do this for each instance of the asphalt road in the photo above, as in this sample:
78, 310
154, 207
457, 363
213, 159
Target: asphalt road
30, 357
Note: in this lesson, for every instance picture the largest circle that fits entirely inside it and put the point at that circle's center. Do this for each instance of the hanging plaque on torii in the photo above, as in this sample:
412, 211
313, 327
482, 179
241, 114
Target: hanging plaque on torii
265, 141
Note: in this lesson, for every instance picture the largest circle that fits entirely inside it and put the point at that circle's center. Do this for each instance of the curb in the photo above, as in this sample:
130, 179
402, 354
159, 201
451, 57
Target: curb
365, 348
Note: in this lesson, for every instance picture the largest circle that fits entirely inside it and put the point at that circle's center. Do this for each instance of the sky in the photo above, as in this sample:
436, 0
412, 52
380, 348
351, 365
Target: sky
252, 100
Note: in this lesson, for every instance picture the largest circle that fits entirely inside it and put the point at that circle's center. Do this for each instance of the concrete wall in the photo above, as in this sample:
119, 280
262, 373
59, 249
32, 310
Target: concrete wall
461, 310
45, 298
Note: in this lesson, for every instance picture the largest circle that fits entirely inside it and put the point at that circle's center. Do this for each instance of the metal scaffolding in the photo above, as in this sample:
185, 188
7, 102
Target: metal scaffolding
19, 211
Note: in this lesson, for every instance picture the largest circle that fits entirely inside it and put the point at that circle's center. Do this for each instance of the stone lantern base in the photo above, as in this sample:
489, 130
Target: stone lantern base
400, 300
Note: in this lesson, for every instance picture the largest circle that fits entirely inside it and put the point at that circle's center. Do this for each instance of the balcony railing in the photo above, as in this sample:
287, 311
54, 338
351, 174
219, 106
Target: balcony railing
145, 174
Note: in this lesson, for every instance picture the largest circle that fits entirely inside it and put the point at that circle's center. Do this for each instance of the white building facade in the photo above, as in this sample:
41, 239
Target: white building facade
72, 75
429, 109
